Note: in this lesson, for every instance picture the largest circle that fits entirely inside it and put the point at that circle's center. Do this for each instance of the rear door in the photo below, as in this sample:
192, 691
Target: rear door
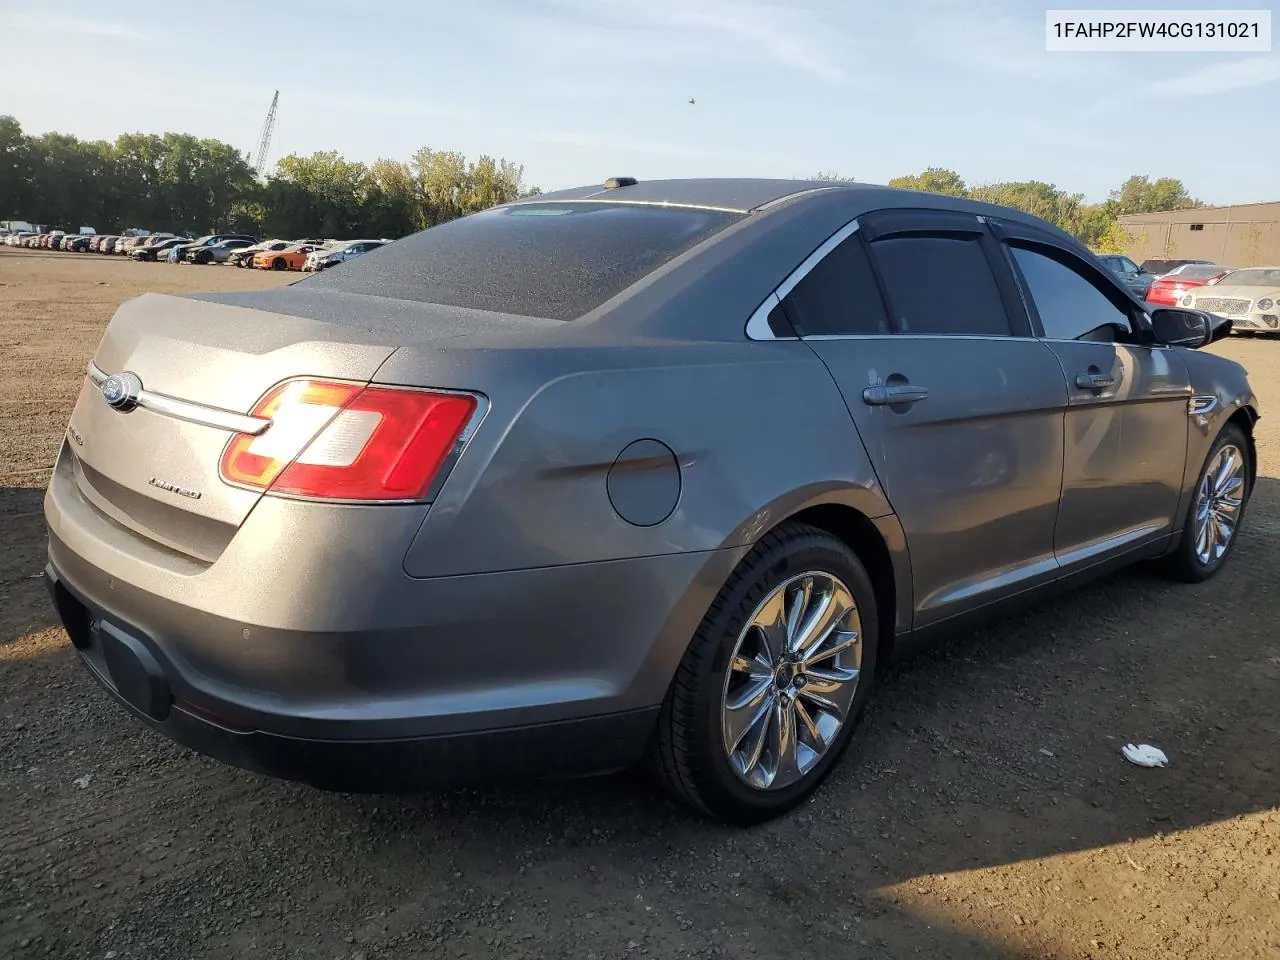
958, 406
1126, 423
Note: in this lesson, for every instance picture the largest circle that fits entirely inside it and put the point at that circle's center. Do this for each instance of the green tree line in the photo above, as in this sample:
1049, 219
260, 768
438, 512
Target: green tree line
188, 185
1096, 224
184, 184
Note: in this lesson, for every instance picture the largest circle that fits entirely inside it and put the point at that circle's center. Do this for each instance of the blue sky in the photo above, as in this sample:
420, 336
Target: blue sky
580, 90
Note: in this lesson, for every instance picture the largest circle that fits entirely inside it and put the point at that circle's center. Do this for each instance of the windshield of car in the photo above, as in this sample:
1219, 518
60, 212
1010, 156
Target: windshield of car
557, 260
1260, 277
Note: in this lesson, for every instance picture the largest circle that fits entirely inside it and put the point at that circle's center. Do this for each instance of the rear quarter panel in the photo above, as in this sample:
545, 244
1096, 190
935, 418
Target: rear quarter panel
758, 430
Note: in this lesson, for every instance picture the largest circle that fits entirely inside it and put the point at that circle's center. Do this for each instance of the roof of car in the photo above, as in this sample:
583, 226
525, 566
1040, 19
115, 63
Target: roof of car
705, 292
743, 195
736, 194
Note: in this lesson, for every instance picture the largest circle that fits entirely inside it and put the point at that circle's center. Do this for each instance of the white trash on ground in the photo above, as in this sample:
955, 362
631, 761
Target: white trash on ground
1145, 755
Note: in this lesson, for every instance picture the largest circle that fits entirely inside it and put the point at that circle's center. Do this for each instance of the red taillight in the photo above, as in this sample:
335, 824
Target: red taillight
342, 441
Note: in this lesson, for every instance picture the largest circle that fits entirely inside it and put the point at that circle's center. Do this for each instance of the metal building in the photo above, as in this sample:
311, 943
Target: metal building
1245, 235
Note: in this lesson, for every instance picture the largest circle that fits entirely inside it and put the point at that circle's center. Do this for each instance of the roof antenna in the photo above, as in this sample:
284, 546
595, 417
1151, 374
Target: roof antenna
613, 183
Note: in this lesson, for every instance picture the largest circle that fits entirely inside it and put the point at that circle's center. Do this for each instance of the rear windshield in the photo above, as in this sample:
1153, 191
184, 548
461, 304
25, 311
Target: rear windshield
555, 260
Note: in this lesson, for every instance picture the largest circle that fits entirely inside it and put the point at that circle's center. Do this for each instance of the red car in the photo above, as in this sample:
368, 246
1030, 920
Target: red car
1168, 290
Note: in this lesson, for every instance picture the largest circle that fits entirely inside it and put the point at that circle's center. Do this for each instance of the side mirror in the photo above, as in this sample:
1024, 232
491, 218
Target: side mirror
1175, 327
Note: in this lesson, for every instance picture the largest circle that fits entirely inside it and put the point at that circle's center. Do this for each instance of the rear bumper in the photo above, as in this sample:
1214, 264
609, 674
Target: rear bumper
340, 670
140, 675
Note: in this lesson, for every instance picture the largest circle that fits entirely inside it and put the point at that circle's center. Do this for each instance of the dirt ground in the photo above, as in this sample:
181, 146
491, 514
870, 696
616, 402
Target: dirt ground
985, 810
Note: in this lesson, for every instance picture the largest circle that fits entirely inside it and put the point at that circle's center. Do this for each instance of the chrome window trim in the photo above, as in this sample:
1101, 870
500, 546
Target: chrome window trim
792, 196
196, 413
758, 323
915, 336
811, 261
1132, 346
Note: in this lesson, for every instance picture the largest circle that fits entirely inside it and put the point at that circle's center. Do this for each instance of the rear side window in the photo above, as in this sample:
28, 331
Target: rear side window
553, 260
1070, 306
838, 296
940, 285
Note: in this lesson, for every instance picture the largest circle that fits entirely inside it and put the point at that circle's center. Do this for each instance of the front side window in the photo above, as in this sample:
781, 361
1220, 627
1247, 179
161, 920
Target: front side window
1070, 306
940, 285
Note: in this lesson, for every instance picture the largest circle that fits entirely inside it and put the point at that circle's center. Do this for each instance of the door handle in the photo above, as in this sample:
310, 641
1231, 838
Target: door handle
1094, 381
886, 394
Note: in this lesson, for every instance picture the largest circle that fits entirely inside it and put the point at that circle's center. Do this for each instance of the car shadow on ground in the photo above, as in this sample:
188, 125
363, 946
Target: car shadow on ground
24, 606
992, 748
995, 747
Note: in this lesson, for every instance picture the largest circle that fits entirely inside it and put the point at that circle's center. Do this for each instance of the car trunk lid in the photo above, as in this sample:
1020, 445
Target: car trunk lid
154, 469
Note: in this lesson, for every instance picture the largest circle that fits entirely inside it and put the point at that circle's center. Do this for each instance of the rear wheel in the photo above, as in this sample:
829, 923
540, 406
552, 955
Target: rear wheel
1217, 507
769, 691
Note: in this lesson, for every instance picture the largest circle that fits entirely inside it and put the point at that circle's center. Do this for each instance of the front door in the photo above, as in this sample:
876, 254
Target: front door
1126, 423
960, 413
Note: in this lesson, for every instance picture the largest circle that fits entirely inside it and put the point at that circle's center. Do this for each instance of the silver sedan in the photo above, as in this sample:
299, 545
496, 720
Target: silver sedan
660, 473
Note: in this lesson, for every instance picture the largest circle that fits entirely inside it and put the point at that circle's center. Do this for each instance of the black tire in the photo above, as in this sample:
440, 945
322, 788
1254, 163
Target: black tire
1184, 563
687, 754
279, 264
204, 258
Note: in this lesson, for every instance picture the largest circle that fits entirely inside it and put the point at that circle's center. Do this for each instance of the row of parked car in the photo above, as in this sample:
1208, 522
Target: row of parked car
239, 249
1250, 296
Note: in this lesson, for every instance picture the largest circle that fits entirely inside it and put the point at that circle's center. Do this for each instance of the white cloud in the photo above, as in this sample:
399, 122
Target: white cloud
1218, 78
786, 35
782, 39
628, 146
985, 35
56, 24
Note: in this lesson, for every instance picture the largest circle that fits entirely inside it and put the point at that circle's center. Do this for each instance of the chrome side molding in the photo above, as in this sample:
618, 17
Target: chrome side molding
1201, 406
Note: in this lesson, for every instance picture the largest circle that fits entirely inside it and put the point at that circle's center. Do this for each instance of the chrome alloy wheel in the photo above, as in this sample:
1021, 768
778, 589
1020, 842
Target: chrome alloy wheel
791, 681
1218, 504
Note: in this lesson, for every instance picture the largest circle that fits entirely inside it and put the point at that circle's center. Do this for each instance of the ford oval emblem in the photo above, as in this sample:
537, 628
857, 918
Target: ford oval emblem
121, 391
